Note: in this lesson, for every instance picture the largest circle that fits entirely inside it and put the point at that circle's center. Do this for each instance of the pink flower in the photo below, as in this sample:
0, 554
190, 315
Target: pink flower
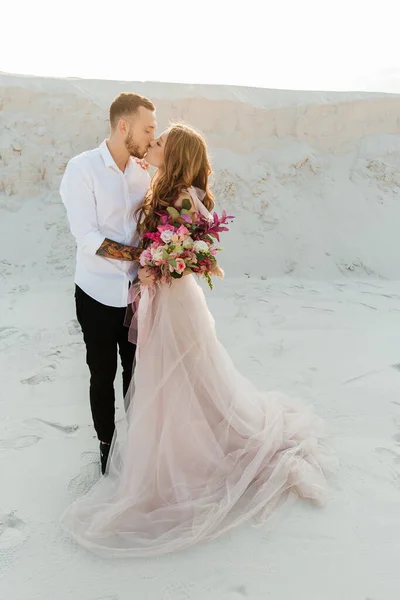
182, 231
180, 265
152, 236
145, 256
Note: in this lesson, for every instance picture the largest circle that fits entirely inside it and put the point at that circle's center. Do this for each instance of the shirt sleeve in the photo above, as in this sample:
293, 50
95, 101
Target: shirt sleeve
78, 197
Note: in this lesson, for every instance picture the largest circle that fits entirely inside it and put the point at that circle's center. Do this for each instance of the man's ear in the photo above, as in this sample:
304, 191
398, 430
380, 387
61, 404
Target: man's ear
122, 126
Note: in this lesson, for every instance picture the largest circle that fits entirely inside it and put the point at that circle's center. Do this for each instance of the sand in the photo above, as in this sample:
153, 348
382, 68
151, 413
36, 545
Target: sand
310, 305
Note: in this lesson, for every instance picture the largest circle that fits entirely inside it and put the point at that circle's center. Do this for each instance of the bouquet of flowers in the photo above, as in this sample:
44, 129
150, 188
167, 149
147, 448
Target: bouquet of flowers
184, 243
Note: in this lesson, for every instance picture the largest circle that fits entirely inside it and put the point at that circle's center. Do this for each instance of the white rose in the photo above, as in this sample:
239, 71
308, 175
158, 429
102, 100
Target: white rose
167, 236
200, 246
157, 254
187, 242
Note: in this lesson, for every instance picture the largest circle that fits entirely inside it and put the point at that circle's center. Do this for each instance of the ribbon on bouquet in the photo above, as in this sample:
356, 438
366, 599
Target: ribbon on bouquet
131, 316
142, 296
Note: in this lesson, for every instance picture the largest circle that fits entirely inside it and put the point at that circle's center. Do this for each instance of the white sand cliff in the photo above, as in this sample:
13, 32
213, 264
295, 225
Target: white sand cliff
310, 305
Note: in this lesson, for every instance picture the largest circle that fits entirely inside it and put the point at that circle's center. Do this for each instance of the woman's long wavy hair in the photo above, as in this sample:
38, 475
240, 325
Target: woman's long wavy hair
186, 163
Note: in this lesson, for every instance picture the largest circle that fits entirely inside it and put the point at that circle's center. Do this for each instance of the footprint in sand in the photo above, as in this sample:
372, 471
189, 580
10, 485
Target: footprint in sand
51, 353
393, 454
67, 429
20, 289
88, 475
44, 375
277, 319
177, 591
13, 533
73, 327
6, 332
9, 335
239, 592
57, 353
21, 441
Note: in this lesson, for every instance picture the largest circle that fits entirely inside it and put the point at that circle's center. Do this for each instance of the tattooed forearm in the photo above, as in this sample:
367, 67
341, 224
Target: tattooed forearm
110, 249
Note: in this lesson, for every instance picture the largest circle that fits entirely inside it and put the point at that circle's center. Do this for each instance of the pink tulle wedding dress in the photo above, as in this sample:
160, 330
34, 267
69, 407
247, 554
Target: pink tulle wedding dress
201, 450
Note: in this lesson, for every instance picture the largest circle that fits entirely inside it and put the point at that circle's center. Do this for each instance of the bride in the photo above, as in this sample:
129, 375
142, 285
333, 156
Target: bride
201, 449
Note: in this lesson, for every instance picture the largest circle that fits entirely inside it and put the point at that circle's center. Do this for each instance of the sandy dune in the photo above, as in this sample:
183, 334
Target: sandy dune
310, 305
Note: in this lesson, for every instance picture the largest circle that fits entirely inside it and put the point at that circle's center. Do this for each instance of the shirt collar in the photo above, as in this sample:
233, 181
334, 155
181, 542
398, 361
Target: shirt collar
106, 154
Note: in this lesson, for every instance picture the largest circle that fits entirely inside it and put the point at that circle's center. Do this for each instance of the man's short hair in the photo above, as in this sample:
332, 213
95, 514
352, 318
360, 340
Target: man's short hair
127, 104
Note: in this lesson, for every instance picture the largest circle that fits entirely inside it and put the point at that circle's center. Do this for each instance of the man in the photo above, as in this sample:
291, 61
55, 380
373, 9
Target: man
101, 189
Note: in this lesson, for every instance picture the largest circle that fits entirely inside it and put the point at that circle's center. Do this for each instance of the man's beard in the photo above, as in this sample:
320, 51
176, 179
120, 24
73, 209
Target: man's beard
133, 148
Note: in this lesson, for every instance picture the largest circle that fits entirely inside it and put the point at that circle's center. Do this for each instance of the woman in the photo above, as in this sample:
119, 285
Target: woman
201, 449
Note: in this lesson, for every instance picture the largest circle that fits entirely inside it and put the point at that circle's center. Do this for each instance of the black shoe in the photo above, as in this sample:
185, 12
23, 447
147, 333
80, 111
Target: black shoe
104, 452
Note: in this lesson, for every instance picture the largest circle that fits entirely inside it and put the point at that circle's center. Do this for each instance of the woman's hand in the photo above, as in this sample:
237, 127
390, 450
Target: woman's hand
145, 276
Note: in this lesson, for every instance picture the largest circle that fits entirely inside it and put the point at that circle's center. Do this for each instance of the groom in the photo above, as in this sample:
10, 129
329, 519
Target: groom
101, 190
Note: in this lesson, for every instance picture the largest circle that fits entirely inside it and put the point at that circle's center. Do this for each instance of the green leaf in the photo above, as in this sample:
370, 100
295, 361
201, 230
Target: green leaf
176, 275
172, 262
173, 212
165, 255
209, 280
186, 204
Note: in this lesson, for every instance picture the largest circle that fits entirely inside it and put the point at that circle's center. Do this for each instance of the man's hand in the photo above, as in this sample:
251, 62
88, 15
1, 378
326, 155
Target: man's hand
110, 249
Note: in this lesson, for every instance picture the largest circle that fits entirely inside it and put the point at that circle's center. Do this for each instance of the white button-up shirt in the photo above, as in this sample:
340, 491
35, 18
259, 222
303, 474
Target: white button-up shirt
101, 202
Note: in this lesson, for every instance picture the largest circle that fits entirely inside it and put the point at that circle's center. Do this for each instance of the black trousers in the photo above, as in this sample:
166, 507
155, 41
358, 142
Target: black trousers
105, 335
